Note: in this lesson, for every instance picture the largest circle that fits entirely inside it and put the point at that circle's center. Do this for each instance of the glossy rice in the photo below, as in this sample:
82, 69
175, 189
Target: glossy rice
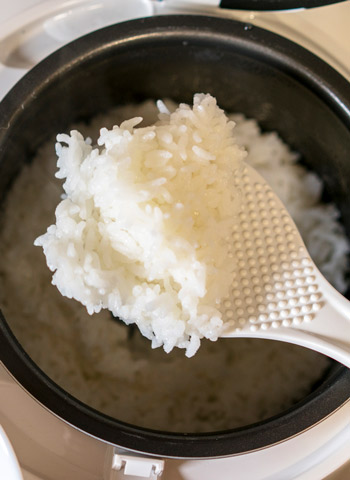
143, 224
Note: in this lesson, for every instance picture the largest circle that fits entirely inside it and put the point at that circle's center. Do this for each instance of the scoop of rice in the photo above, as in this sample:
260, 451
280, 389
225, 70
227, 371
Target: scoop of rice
142, 227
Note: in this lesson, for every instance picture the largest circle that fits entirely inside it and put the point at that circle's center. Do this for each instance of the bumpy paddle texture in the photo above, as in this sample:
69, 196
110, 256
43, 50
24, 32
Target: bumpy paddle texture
277, 291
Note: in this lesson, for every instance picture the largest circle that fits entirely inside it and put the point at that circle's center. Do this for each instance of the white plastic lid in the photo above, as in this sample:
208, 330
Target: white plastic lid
9, 467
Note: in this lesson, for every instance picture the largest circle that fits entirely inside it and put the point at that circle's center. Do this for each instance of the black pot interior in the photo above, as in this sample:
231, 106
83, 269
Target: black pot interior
274, 4
249, 70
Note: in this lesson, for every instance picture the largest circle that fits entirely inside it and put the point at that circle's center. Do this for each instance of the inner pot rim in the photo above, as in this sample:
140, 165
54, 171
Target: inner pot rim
293, 60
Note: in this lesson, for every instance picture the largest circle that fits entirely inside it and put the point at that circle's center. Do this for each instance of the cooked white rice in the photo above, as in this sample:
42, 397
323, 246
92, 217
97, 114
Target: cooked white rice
228, 383
143, 224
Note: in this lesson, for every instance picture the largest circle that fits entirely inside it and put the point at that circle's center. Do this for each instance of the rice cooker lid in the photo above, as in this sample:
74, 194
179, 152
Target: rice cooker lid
274, 4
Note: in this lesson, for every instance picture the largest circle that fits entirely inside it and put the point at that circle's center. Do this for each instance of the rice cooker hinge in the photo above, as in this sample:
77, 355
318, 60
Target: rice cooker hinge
120, 466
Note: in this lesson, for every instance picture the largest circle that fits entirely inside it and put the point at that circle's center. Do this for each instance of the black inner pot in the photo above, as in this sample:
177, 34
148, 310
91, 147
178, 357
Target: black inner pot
249, 70
274, 4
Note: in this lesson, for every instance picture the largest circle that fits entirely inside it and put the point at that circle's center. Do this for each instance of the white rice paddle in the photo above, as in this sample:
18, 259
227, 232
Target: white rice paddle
277, 292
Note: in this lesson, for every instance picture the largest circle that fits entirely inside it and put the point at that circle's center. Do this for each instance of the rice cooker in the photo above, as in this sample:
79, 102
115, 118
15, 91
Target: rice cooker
193, 45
